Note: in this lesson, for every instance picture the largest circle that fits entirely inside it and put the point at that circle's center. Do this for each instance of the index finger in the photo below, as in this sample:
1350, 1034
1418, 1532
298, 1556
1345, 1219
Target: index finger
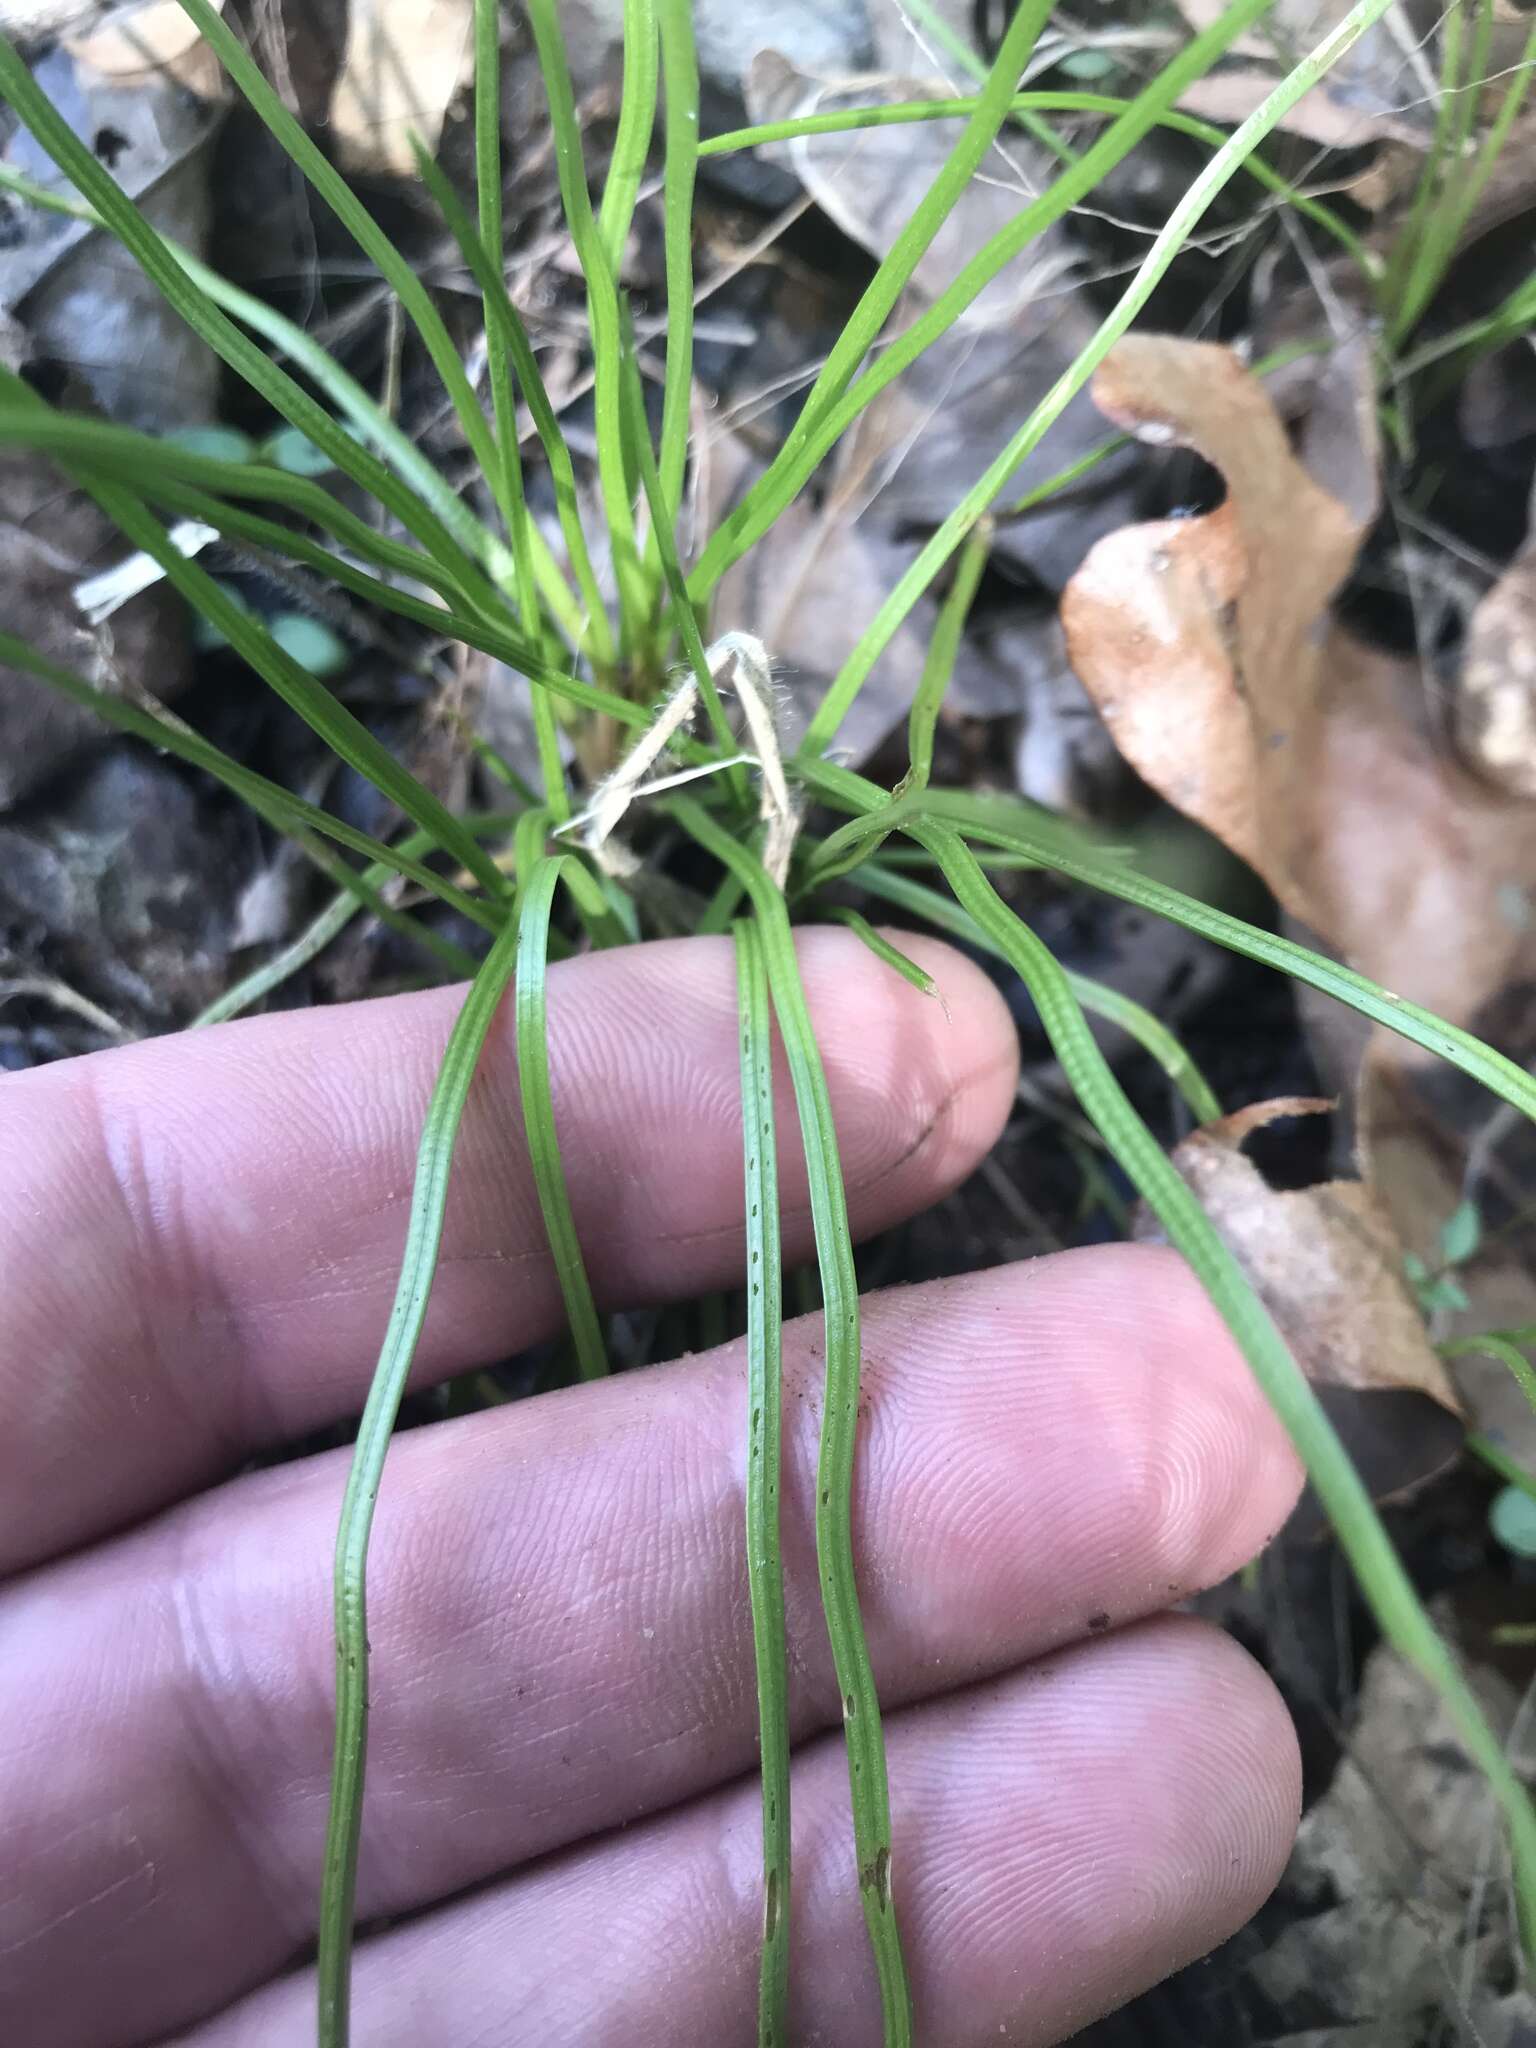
201, 1236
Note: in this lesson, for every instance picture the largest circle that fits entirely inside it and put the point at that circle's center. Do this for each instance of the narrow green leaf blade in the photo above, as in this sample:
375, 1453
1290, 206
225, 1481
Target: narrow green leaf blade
322, 931
632, 141
424, 1237
939, 663
765, 1568
868, 1784
680, 70
193, 292
534, 906
506, 333
1096, 997
836, 402
1071, 854
1222, 167
1376, 1564
889, 955
275, 117
602, 307
324, 713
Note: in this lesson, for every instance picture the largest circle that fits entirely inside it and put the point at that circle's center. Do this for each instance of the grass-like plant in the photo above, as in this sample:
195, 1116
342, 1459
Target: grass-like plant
631, 686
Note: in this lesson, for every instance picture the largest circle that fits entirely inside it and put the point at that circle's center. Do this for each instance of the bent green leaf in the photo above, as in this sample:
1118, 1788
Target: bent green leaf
424, 1236
1365, 1542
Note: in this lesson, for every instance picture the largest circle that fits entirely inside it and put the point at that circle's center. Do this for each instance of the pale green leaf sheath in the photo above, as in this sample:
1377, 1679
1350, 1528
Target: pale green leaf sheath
535, 902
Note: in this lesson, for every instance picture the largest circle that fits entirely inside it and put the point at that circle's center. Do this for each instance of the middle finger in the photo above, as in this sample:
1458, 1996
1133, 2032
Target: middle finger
560, 1624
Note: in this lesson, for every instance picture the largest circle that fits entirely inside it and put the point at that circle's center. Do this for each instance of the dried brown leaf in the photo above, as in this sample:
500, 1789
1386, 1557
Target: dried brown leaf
49, 539
405, 64
1207, 646
1192, 635
1379, 1940
26, 18
1383, 87
1231, 96
1417, 1127
1327, 1262
81, 297
158, 40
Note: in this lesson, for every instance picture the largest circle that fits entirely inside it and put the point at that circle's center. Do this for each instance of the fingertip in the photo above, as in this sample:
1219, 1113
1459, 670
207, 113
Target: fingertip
1186, 1324
975, 1002
1243, 1762
1229, 1476
1094, 1450
1161, 1825
1233, 1776
954, 1059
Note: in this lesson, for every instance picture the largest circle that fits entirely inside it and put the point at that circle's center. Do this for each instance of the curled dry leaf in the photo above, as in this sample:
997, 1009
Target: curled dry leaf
1384, 88
830, 36
406, 61
1207, 646
1230, 97
1430, 1141
125, 41
23, 19
1328, 1264
1194, 636
82, 299
1326, 1259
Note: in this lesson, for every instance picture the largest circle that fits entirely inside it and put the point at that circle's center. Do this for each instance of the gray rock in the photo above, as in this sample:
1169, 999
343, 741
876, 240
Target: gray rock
125, 889
51, 537
830, 37
82, 297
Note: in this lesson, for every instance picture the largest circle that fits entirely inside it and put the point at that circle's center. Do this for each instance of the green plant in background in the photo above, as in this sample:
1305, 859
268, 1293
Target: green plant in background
1455, 173
1435, 1285
639, 697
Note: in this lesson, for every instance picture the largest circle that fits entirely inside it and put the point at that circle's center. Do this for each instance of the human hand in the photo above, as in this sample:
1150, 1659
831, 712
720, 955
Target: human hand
199, 1240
